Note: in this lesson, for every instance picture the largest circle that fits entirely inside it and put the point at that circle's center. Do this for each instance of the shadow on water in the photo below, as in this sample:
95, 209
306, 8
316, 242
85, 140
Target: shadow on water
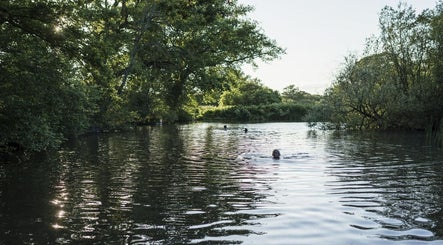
161, 185
201, 184
389, 184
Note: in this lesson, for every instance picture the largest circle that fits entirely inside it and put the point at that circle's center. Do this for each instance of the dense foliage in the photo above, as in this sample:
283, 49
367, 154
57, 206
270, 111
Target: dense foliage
71, 66
248, 100
398, 83
292, 94
279, 112
246, 93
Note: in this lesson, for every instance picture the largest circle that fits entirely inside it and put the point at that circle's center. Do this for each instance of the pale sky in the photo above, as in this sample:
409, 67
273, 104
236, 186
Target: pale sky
317, 35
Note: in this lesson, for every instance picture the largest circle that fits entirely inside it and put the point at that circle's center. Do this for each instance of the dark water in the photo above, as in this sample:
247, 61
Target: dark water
200, 184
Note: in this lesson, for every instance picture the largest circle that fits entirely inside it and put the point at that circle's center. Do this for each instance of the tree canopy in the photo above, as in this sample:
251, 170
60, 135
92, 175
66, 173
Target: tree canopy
72, 66
292, 94
249, 92
398, 81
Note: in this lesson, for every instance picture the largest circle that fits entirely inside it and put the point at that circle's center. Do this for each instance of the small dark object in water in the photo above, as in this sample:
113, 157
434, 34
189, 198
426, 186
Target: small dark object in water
246, 130
276, 154
225, 127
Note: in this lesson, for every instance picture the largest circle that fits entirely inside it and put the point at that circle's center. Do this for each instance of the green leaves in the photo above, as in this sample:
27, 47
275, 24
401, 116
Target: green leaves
188, 39
69, 65
248, 92
394, 85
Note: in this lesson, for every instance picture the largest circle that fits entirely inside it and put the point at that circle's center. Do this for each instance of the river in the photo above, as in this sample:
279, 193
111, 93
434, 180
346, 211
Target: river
202, 184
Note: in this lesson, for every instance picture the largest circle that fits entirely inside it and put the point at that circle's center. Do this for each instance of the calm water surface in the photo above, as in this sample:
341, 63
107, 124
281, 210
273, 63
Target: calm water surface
201, 184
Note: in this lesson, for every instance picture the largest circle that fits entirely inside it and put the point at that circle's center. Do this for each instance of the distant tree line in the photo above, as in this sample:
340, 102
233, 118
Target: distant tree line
397, 83
69, 67
250, 101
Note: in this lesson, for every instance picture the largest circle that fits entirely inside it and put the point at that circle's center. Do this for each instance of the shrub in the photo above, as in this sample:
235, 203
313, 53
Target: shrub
256, 113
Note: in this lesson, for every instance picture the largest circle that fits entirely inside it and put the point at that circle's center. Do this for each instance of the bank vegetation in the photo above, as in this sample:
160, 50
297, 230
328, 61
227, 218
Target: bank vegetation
72, 67
398, 81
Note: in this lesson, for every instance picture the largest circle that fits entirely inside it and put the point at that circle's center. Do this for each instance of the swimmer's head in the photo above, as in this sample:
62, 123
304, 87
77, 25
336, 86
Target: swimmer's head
276, 154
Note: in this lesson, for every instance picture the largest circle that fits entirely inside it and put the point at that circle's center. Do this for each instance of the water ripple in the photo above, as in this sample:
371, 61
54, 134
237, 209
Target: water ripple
393, 193
201, 184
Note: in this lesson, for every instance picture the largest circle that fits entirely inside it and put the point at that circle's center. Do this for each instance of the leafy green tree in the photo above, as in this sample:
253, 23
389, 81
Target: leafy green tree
106, 31
109, 63
392, 86
405, 39
221, 78
249, 92
363, 92
436, 108
42, 101
195, 37
292, 94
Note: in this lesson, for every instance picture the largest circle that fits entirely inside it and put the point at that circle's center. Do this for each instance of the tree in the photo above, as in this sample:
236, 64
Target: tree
42, 101
110, 63
292, 94
405, 39
363, 92
221, 79
436, 108
392, 85
249, 92
196, 36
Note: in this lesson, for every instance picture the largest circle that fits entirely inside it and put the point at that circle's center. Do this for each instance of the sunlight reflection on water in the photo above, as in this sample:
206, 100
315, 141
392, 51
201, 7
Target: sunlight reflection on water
201, 184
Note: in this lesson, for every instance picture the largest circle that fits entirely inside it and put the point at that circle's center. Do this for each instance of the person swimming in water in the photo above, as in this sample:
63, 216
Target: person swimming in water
276, 154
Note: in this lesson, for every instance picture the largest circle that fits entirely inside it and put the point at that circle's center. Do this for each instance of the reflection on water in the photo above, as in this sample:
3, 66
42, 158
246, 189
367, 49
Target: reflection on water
201, 184
391, 183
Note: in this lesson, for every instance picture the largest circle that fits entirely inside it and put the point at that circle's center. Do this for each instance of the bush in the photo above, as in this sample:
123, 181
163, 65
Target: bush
256, 113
